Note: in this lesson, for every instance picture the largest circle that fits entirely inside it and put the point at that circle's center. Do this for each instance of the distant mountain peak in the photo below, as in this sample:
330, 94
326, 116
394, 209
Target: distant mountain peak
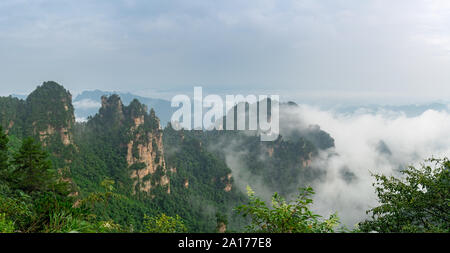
88, 103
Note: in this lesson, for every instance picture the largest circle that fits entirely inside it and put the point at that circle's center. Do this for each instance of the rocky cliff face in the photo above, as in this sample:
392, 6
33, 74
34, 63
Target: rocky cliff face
143, 141
228, 182
148, 151
221, 227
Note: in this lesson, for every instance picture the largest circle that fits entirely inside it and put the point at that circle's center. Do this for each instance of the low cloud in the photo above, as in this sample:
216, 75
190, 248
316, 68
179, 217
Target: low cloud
364, 143
86, 104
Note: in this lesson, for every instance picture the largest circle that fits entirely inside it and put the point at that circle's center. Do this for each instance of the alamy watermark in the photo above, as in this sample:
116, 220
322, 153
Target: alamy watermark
252, 113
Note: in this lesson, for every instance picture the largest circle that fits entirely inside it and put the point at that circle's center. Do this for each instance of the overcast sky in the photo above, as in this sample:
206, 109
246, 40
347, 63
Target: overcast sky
380, 51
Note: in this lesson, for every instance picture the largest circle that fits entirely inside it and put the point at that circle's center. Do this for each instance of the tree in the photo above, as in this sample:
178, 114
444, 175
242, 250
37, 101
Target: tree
418, 202
164, 224
286, 217
34, 172
3, 150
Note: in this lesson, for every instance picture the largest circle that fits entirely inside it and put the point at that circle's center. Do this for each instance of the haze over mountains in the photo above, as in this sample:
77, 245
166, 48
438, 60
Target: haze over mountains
155, 169
87, 104
333, 149
365, 143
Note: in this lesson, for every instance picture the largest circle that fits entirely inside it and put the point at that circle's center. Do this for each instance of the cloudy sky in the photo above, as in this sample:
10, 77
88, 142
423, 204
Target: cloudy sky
377, 51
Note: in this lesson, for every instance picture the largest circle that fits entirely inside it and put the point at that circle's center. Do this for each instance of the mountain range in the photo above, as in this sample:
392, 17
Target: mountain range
198, 175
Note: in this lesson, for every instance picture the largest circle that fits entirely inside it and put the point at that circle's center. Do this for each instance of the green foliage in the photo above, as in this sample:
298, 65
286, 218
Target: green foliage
164, 224
3, 151
6, 226
418, 202
63, 222
286, 217
35, 198
49, 104
33, 170
103, 197
16, 206
53, 213
32, 190
67, 222
12, 115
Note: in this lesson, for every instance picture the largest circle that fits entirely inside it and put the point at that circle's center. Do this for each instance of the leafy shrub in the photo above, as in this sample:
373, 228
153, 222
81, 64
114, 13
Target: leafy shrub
6, 226
285, 217
419, 202
164, 224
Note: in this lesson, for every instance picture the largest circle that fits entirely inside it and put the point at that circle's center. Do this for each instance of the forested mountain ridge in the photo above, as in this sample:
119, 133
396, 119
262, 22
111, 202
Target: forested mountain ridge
125, 144
46, 111
47, 115
155, 170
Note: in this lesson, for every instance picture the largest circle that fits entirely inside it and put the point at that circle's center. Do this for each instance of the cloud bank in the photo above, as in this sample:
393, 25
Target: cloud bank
365, 143
86, 104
